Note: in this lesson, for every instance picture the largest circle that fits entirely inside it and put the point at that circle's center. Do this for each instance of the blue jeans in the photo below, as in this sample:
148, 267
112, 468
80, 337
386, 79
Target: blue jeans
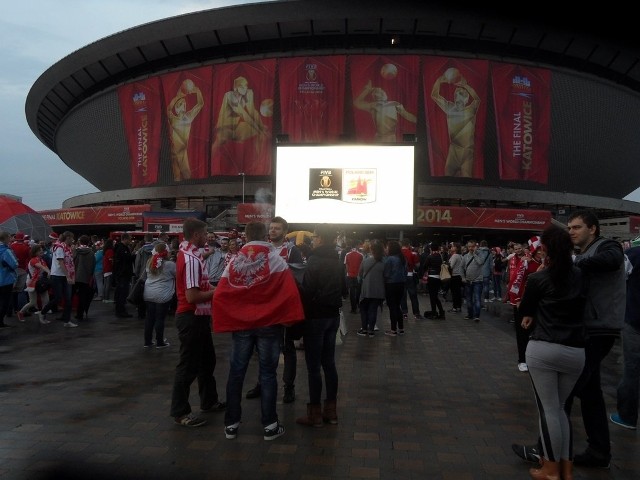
290, 360
156, 315
393, 295
320, 351
629, 386
411, 289
197, 360
61, 290
354, 292
473, 294
486, 287
123, 285
6, 291
497, 286
267, 343
369, 313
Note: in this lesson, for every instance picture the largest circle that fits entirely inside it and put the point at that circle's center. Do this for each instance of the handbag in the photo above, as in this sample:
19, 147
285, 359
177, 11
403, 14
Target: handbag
43, 284
445, 274
136, 295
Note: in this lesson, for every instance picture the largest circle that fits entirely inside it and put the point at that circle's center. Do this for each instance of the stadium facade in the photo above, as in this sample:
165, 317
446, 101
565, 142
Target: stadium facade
186, 112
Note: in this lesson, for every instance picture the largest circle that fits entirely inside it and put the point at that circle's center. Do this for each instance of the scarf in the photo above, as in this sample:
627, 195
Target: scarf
156, 261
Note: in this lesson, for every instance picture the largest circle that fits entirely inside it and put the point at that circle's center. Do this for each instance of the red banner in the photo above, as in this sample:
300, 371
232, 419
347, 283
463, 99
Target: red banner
385, 96
312, 98
121, 214
489, 218
455, 95
243, 102
141, 109
522, 99
187, 100
634, 225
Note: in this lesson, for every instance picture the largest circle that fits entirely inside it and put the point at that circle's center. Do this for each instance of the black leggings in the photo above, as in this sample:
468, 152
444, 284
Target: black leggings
433, 285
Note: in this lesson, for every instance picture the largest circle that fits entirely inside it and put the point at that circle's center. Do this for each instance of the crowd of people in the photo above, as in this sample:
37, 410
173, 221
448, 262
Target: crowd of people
572, 291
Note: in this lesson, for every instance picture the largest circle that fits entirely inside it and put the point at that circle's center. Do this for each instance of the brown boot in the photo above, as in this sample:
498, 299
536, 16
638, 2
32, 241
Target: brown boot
314, 416
548, 471
329, 414
566, 468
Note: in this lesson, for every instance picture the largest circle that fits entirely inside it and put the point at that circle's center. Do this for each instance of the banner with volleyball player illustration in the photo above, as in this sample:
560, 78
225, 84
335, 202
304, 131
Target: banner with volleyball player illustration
141, 109
522, 99
242, 124
385, 96
187, 107
312, 98
455, 95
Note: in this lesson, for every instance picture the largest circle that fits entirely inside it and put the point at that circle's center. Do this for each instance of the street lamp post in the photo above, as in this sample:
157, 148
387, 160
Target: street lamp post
243, 175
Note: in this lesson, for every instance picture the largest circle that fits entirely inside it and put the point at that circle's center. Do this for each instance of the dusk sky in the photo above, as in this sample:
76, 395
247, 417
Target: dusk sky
34, 35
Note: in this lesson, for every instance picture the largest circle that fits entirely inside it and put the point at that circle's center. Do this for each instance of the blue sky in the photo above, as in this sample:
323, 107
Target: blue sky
35, 34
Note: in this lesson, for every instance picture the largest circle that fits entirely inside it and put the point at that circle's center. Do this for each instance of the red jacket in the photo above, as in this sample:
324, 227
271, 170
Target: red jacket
22, 252
413, 259
352, 261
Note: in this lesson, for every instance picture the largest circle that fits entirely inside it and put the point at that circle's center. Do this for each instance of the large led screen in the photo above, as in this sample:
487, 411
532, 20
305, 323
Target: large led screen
345, 184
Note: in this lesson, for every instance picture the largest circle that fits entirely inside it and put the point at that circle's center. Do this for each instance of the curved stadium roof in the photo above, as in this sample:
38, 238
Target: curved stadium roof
577, 44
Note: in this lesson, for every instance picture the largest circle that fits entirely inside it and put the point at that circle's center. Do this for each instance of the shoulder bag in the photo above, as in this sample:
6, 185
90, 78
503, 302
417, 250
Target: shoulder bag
43, 284
445, 273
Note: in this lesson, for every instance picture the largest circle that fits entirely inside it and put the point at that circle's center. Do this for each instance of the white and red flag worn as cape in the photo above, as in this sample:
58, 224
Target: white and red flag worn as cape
256, 290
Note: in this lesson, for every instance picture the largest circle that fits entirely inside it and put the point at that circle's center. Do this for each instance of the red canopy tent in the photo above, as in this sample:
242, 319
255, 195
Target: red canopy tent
15, 217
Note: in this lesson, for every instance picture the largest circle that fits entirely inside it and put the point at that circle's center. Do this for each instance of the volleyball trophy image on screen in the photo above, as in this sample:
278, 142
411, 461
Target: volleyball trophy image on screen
461, 122
384, 112
180, 120
325, 183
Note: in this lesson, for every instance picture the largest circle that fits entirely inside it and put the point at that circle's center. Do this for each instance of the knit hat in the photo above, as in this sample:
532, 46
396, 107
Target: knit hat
53, 236
19, 236
534, 243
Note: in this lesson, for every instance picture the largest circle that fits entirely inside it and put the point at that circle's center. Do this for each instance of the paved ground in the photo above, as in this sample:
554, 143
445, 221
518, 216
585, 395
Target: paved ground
443, 402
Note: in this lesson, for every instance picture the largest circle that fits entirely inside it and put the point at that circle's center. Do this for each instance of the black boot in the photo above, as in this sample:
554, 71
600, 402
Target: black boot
289, 394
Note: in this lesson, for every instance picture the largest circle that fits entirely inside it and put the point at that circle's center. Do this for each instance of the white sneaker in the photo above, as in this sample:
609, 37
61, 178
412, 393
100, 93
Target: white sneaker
523, 367
70, 324
43, 318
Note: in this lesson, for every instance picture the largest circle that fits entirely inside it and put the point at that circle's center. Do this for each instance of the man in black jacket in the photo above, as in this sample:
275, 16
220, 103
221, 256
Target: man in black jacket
122, 273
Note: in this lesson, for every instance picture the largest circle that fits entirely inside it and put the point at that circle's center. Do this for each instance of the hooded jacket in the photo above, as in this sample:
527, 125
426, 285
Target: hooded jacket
85, 263
8, 265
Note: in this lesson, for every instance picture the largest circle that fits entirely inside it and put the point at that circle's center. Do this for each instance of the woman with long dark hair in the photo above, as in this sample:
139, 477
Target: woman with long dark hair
432, 266
395, 272
552, 309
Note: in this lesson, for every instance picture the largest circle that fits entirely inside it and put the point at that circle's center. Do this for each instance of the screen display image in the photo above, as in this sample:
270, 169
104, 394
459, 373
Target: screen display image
345, 184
